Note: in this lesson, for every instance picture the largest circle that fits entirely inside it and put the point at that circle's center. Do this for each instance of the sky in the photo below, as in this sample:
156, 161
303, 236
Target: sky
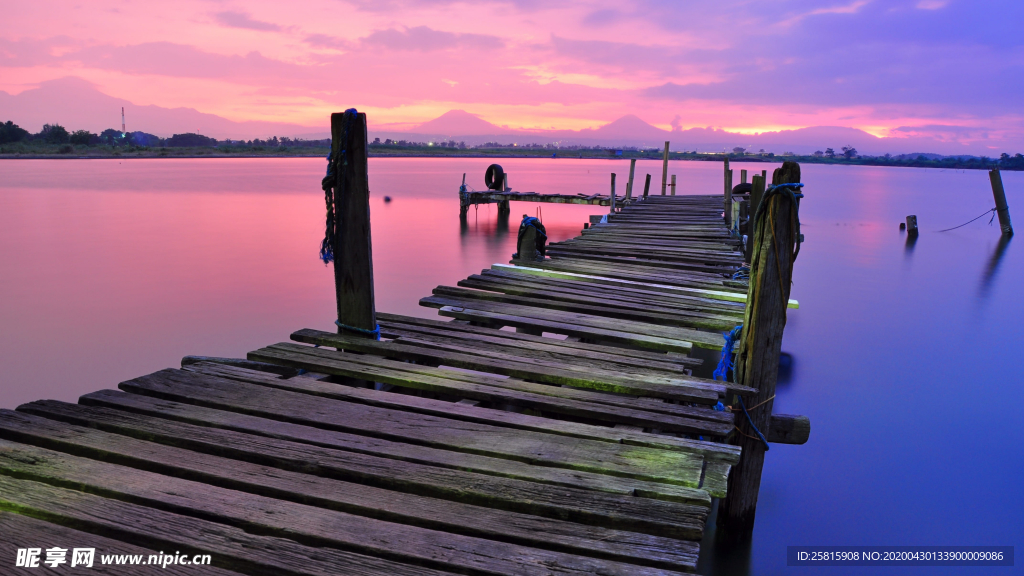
946, 71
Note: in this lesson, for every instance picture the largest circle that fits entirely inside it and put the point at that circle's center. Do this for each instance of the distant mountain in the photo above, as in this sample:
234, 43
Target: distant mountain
458, 123
77, 105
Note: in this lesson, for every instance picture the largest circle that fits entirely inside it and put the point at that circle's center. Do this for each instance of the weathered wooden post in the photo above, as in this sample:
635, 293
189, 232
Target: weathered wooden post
647, 185
664, 170
728, 199
756, 191
611, 205
743, 176
760, 344
349, 233
463, 198
1001, 208
673, 184
629, 184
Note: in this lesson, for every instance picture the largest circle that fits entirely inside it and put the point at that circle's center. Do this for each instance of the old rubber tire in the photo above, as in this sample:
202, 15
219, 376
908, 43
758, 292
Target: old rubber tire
494, 178
742, 189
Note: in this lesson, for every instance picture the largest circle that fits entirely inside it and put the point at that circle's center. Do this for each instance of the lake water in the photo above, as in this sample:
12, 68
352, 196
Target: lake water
903, 355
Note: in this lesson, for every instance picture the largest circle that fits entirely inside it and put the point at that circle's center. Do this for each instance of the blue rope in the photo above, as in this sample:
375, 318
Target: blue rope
751, 422
742, 273
334, 190
725, 364
375, 332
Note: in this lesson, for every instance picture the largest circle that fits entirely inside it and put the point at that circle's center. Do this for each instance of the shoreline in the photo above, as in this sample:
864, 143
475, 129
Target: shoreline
943, 164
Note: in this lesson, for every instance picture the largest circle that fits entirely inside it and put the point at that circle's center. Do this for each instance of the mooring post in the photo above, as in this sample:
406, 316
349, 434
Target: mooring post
728, 199
353, 258
611, 205
912, 224
1001, 208
647, 185
664, 169
760, 345
756, 191
629, 184
673, 184
743, 176
463, 198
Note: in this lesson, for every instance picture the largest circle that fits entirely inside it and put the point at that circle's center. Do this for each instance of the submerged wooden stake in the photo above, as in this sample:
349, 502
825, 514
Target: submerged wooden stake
647, 185
1001, 208
911, 224
757, 362
664, 169
353, 259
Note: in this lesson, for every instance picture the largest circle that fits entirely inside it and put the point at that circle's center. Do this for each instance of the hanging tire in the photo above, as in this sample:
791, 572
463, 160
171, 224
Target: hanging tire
494, 178
742, 189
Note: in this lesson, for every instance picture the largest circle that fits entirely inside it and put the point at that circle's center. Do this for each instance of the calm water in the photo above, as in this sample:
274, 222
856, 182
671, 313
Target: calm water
904, 356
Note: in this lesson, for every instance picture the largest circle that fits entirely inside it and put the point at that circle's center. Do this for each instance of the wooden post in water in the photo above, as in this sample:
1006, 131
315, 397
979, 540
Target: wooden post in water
673, 184
1001, 208
611, 205
353, 258
647, 185
760, 344
664, 170
728, 199
743, 176
756, 191
629, 184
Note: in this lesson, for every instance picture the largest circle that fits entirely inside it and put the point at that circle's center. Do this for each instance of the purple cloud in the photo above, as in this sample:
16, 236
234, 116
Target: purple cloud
243, 20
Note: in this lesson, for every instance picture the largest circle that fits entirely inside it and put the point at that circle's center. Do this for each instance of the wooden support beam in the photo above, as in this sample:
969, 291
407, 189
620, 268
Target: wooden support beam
353, 259
728, 199
629, 184
1002, 210
673, 184
760, 345
647, 185
756, 192
664, 170
611, 205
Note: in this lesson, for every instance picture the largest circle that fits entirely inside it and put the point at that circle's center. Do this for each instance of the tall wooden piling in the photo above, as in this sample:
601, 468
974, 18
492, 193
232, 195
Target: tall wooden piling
629, 183
673, 184
664, 169
611, 205
756, 191
353, 259
1002, 210
743, 176
727, 209
757, 362
647, 185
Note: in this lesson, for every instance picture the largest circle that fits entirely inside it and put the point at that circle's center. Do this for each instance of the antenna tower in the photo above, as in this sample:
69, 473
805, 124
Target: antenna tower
122, 121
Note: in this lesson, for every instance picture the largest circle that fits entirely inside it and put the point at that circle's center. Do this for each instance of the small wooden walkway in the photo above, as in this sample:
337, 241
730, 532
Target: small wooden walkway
448, 447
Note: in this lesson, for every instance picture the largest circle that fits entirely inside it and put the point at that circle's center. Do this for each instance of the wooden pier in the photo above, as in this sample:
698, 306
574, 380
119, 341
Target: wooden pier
553, 420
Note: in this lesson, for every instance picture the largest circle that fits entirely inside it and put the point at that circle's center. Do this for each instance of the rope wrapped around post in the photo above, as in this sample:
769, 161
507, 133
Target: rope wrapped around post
332, 191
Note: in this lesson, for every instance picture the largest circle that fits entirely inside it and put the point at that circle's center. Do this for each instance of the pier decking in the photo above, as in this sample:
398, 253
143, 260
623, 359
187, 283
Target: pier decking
550, 421
446, 447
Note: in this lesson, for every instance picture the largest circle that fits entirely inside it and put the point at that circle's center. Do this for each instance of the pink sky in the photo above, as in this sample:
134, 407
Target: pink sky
941, 69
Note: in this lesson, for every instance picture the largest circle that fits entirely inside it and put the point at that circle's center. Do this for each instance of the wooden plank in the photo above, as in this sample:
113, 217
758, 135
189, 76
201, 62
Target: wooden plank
124, 405
535, 448
229, 547
620, 361
539, 397
334, 494
681, 387
26, 532
571, 504
591, 321
620, 309
710, 450
305, 524
716, 479
452, 382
